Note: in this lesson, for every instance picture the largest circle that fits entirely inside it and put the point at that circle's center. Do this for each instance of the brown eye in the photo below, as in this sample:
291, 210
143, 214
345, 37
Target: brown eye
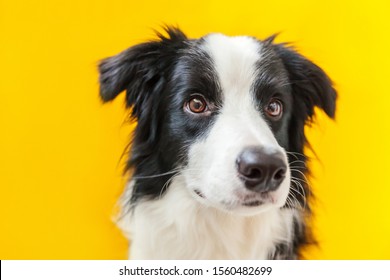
274, 109
197, 104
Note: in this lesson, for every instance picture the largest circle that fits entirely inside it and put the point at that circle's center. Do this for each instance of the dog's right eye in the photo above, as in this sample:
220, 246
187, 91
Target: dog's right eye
274, 109
196, 105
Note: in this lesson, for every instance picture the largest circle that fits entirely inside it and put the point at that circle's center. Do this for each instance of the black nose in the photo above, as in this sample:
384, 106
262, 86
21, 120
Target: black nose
261, 170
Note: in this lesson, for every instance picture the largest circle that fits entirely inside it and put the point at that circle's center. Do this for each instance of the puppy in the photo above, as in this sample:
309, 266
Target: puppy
217, 157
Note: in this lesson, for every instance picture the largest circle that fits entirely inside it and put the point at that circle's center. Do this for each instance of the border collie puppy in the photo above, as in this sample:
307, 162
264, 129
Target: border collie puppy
217, 158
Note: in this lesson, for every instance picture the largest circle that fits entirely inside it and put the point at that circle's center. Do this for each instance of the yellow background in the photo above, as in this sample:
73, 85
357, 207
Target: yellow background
60, 148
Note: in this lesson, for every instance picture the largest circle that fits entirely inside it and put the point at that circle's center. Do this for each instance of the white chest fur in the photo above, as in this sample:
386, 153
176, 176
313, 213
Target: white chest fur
178, 227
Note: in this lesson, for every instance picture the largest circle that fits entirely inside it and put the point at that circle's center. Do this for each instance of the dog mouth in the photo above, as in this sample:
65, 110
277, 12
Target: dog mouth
199, 193
254, 200
248, 202
253, 203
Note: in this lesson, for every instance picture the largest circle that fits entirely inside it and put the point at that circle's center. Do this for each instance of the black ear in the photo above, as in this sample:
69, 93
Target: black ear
310, 85
140, 70
311, 88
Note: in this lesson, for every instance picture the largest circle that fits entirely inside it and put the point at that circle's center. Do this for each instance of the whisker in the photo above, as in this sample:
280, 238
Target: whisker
301, 161
300, 172
165, 186
296, 153
304, 181
302, 194
293, 201
156, 175
299, 179
176, 170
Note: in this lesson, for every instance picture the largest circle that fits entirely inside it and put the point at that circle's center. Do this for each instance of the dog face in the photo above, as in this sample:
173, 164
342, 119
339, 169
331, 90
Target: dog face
226, 114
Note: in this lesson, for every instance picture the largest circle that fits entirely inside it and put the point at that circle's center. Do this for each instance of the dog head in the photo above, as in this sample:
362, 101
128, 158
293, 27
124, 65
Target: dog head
226, 114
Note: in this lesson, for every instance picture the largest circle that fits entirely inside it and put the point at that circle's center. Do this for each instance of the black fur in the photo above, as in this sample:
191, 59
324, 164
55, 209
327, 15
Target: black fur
159, 77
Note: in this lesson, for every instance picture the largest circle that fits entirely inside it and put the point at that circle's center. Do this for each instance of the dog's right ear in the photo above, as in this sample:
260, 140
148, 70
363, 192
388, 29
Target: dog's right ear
140, 70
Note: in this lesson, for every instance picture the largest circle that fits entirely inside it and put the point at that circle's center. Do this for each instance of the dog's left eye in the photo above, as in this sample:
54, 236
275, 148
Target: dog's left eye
197, 105
274, 109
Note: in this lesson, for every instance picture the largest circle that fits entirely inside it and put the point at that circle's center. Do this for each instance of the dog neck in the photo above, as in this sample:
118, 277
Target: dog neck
176, 226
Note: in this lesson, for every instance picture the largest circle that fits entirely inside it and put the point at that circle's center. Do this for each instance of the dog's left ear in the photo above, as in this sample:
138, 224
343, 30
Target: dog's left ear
310, 85
142, 71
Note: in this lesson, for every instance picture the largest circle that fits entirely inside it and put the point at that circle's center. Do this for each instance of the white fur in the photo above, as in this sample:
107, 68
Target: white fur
179, 227
183, 225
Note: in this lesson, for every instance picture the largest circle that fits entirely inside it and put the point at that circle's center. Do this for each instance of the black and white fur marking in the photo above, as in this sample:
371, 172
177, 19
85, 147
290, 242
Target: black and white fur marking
188, 197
